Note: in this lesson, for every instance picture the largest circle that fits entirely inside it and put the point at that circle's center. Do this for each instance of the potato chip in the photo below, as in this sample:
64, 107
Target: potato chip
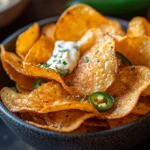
123, 121
136, 49
143, 106
96, 69
22, 80
26, 40
41, 51
76, 20
128, 86
95, 122
138, 26
62, 121
13, 60
146, 92
46, 73
49, 30
47, 98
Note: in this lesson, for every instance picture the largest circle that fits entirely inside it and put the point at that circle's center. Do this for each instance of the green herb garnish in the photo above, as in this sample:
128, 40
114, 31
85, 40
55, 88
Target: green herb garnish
64, 63
96, 52
64, 50
45, 65
38, 82
86, 59
59, 62
68, 83
62, 72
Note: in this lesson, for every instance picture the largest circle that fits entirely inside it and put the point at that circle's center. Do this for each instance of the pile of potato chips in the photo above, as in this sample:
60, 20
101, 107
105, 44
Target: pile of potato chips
60, 103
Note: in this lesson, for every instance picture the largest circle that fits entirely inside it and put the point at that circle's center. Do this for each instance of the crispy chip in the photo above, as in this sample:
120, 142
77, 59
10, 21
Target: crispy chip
123, 121
49, 30
13, 60
138, 26
146, 92
47, 73
76, 20
136, 49
129, 85
62, 121
26, 40
49, 97
96, 69
22, 80
143, 106
41, 51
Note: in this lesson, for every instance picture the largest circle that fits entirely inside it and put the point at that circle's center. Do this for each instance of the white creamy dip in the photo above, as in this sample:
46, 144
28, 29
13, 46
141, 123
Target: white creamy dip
65, 56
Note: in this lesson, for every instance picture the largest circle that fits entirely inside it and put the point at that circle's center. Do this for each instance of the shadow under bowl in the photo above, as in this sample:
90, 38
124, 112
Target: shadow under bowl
118, 138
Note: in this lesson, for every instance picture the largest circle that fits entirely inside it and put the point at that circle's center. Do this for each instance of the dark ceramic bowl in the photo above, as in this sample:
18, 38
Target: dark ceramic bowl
119, 138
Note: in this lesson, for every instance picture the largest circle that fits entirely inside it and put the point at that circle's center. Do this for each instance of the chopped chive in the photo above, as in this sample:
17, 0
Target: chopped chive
44, 65
68, 83
115, 95
54, 60
59, 62
59, 46
64, 50
55, 56
132, 68
81, 100
38, 82
15, 89
64, 63
86, 59
96, 52
62, 72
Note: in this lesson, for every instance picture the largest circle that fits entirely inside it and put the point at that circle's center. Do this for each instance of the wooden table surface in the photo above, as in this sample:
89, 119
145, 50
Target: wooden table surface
39, 9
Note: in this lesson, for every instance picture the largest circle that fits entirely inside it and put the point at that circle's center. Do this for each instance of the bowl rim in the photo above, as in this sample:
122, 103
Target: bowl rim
10, 6
10, 115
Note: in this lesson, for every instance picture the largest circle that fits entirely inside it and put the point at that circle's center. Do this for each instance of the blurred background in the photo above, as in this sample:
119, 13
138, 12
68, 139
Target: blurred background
15, 14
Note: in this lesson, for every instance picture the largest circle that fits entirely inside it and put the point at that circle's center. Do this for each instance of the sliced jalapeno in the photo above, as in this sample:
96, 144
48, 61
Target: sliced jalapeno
62, 72
123, 59
38, 82
102, 101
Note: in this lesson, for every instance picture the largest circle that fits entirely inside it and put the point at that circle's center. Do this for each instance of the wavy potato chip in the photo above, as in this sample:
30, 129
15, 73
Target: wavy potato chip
46, 73
49, 97
128, 86
136, 49
146, 92
49, 30
26, 40
143, 106
62, 121
138, 26
41, 51
22, 80
96, 69
76, 20
123, 121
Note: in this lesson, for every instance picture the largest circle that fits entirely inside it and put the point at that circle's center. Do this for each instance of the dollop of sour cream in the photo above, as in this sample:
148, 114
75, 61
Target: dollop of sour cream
65, 56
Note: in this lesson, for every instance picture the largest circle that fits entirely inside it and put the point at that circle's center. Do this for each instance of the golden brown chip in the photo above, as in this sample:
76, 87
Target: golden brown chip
22, 80
13, 60
146, 92
143, 106
136, 49
41, 51
96, 69
26, 40
62, 121
123, 121
49, 97
49, 30
46, 73
128, 86
138, 26
76, 20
